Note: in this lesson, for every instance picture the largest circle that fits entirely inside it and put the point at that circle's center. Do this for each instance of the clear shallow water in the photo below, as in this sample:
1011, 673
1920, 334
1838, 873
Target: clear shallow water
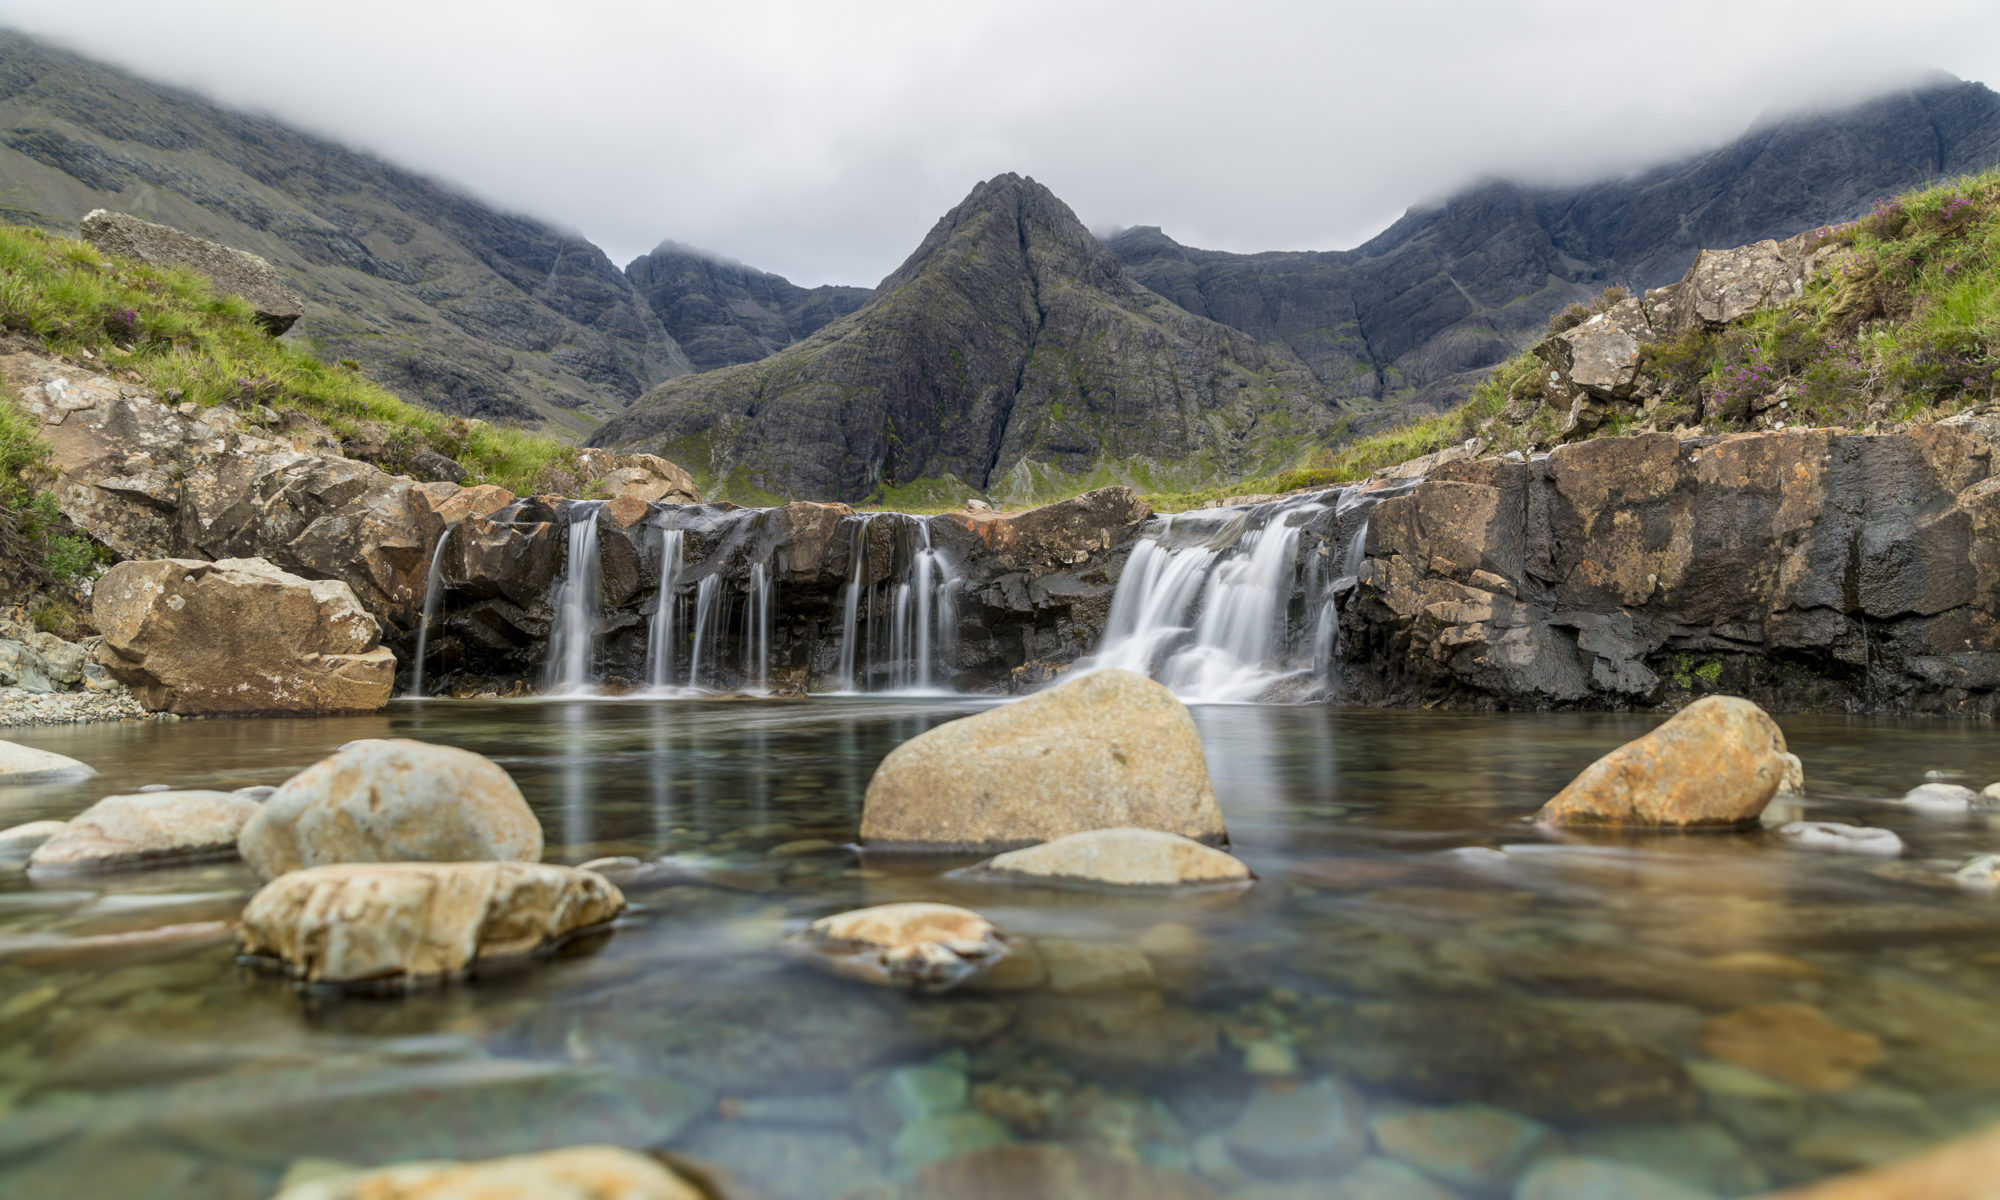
1568, 980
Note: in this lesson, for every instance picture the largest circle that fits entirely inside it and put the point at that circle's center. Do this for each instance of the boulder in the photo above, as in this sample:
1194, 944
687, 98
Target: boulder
239, 636
409, 921
1842, 839
931, 947
1105, 750
1595, 366
1717, 762
238, 272
1119, 858
645, 477
19, 841
572, 1173
124, 831
1727, 285
392, 800
25, 764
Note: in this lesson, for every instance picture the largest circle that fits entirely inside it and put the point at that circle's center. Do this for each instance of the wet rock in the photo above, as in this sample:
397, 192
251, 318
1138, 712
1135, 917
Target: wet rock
392, 800
792, 1162
25, 764
1980, 874
1119, 858
1119, 1033
1796, 1043
1513, 1056
1716, 762
19, 841
1053, 535
1939, 798
931, 947
1700, 1155
238, 636
1471, 1146
1842, 839
1963, 1169
944, 1135
1599, 1179
1320, 1127
906, 1095
238, 272
1376, 1178
1094, 966
1110, 749
408, 921
1050, 1171
598, 1172
128, 831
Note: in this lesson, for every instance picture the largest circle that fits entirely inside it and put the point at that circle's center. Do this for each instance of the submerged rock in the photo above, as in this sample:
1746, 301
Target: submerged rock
409, 921
1320, 1127
239, 636
1717, 762
1107, 750
25, 764
1118, 857
1842, 839
125, 831
19, 841
931, 947
392, 800
1940, 798
1796, 1043
596, 1172
1469, 1145
1600, 1179
1963, 1169
1050, 1171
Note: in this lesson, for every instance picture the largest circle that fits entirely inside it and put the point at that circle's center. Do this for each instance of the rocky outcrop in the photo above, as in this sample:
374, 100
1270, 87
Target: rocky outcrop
1116, 858
127, 831
647, 478
1717, 762
595, 1172
1804, 569
407, 922
1011, 353
1108, 750
238, 636
392, 800
931, 947
233, 272
723, 313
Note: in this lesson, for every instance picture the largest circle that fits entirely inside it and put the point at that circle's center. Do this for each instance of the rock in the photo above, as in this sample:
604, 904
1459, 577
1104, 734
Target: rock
20, 841
1595, 366
1472, 1146
1727, 285
1109, 749
239, 636
596, 1172
1939, 798
125, 831
644, 477
1320, 1127
25, 764
1119, 858
1699, 1154
941, 1136
1129, 1032
1796, 1043
234, 271
1716, 762
1599, 1179
1794, 782
409, 921
1991, 792
1094, 966
392, 800
1377, 1178
1052, 535
431, 467
1963, 1169
1980, 874
931, 947
1842, 839
1050, 1171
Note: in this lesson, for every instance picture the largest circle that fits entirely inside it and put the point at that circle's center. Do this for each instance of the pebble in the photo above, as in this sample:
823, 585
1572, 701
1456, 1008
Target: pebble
1842, 839
21, 707
1270, 1057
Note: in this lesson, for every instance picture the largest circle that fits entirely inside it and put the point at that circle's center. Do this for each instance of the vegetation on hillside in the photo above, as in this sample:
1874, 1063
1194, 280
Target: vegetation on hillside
173, 333
33, 537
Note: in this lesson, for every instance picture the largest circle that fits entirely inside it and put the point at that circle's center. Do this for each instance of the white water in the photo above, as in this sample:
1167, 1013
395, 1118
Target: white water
433, 590
573, 640
916, 613
662, 636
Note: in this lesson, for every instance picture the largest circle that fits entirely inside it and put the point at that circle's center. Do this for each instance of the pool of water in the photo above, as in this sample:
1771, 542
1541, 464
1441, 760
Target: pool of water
1719, 1008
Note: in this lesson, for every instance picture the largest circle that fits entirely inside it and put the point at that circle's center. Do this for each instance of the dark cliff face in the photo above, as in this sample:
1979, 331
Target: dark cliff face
1011, 354
724, 313
1410, 320
443, 299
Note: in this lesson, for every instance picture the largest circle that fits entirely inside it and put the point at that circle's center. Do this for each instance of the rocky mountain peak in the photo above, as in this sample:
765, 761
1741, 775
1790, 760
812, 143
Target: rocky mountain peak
1046, 236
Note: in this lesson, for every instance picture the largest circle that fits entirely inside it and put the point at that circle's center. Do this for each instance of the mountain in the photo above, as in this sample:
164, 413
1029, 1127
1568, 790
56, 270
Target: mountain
441, 298
1010, 355
723, 313
1411, 319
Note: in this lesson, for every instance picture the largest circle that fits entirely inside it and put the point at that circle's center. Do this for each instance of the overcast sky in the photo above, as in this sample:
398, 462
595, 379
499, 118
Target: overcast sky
820, 140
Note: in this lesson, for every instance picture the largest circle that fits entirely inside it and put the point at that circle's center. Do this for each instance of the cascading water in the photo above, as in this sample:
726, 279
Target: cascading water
911, 620
757, 630
574, 637
662, 642
433, 592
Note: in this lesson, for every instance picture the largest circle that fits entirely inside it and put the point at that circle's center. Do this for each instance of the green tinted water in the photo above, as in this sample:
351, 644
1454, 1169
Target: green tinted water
1390, 943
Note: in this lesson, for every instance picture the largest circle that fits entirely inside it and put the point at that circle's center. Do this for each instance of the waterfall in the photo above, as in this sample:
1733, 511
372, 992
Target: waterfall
433, 591
573, 640
857, 575
661, 640
757, 630
711, 613
920, 612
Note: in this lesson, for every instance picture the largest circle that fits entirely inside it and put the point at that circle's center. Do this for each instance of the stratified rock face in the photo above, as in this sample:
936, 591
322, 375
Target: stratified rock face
931, 947
1716, 762
1119, 858
392, 800
596, 1172
441, 298
1009, 353
723, 313
238, 636
1110, 749
1803, 569
236, 272
1414, 318
124, 831
367, 922
21, 764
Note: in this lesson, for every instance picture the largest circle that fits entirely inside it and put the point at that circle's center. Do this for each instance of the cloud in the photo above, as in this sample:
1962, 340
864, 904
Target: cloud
821, 140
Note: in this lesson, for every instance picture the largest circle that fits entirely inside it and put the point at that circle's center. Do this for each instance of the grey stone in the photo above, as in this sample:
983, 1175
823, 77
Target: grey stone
1320, 1127
237, 272
1842, 839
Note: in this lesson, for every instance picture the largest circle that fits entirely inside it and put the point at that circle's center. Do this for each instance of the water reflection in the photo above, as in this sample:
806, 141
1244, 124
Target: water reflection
1411, 935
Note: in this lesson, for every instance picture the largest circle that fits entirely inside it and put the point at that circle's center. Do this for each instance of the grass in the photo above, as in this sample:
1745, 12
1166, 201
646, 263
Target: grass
171, 332
33, 533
